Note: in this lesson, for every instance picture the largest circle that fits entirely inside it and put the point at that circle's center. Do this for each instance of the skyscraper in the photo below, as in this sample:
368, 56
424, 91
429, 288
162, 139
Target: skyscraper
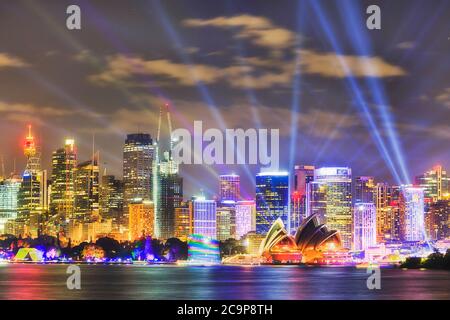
303, 175
438, 220
183, 220
169, 195
364, 226
138, 157
204, 217
86, 191
229, 187
338, 182
224, 227
111, 198
316, 200
435, 183
412, 220
384, 212
63, 181
9, 189
272, 200
245, 217
364, 190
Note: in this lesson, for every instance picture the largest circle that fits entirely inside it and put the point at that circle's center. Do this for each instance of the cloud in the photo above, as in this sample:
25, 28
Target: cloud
259, 30
24, 112
330, 64
7, 60
405, 45
443, 98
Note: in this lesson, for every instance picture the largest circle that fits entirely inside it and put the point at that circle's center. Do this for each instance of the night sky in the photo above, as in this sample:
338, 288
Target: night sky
377, 101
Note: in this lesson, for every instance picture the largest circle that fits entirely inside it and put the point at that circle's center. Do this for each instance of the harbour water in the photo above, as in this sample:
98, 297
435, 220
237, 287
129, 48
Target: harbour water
34, 281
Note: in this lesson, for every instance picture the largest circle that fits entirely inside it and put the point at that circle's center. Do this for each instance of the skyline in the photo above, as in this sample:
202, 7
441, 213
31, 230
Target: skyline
233, 62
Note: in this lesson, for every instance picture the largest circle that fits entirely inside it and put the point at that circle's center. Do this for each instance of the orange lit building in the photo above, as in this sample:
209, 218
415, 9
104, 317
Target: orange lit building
141, 219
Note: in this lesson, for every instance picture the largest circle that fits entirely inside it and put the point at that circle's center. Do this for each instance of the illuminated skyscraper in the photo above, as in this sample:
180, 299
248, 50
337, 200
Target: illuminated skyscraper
204, 217
302, 176
364, 226
338, 182
141, 219
316, 200
87, 191
438, 220
224, 217
245, 217
32, 198
138, 157
183, 220
169, 195
435, 183
9, 190
364, 190
412, 220
111, 198
63, 181
272, 199
384, 212
229, 187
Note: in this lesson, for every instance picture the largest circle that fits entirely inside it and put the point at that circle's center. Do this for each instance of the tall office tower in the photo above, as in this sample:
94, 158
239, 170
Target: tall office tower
183, 221
384, 212
141, 219
316, 200
86, 203
229, 187
245, 217
204, 217
63, 181
435, 182
412, 220
303, 175
138, 157
111, 198
224, 228
9, 190
364, 190
338, 181
31, 199
272, 200
438, 220
364, 226
169, 195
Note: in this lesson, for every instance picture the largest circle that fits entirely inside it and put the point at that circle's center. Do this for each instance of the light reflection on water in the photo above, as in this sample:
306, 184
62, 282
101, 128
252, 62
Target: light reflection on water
25, 281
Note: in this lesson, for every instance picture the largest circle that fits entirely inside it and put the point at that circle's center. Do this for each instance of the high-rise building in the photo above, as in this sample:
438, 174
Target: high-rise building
245, 217
303, 175
168, 196
412, 220
138, 157
364, 226
86, 203
435, 182
316, 200
32, 197
384, 212
229, 187
364, 190
183, 220
224, 217
338, 182
141, 219
204, 217
438, 220
111, 199
272, 200
9, 190
63, 181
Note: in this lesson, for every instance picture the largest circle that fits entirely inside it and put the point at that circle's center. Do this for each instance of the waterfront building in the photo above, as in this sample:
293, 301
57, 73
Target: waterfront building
435, 182
183, 220
86, 201
338, 200
438, 220
229, 187
225, 220
245, 217
138, 158
303, 175
9, 190
111, 198
364, 226
412, 220
204, 217
141, 219
272, 200
316, 200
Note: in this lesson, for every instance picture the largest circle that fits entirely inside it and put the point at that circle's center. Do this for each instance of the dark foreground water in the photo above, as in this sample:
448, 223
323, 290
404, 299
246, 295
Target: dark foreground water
24, 281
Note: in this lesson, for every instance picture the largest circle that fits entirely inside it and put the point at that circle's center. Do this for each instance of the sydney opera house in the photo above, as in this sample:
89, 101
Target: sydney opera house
312, 243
